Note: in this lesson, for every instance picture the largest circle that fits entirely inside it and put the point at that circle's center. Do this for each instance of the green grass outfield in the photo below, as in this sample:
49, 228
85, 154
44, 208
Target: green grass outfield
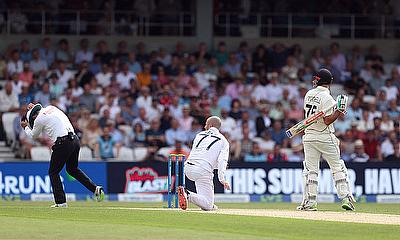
91, 220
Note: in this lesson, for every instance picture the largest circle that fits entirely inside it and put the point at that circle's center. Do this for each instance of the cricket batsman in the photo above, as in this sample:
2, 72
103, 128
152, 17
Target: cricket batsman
210, 151
319, 140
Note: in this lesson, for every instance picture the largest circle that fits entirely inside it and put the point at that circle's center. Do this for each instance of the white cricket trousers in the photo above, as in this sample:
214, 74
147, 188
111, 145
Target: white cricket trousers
327, 146
204, 198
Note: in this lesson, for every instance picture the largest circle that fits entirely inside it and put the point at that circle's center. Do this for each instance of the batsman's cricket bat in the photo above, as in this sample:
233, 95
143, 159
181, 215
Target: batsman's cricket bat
303, 124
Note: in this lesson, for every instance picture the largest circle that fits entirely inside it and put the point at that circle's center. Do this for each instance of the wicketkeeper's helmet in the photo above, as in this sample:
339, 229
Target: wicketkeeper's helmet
322, 77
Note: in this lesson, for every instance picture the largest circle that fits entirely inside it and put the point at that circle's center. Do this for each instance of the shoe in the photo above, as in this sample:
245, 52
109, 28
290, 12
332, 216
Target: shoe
59, 205
308, 206
99, 193
215, 208
347, 204
182, 198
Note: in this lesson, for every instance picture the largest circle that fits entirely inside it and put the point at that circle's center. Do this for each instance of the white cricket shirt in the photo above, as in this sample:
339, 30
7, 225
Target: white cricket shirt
316, 100
210, 151
51, 121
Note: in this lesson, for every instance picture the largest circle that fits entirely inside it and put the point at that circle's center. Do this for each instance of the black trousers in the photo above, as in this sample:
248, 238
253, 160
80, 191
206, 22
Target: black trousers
67, 154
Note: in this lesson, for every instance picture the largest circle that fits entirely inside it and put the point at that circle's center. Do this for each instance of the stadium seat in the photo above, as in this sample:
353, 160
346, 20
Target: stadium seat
125, 154
8, 122
140, 154
85, 154
40, 154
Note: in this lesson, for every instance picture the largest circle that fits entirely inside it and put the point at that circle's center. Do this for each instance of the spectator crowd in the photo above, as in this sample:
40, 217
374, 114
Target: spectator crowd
160, 99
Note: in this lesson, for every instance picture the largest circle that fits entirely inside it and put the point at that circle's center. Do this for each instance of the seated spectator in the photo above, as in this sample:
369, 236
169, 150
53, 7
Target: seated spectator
371, 145
277, 155
26, 76
387, 124
105, 144
277, 112
232, 66
124, 77
164, 57
133, 65
235, 89
144, 77
202, 77
394, 110
290, 69
221, 54
274, 90
104, 76
155, 138
342, 125
145, 99
359, 155
392, 92
265, 142
84, 75
236, 112
294, 112
84, 54
89, 100
243, 144
185, 122
38, 65
129, 110
174, 133
365, 123
256, 155
55, 88
25, 51
137, 138
111, 106
64, 75
14, 65
103, 53
25, 97
354, 111
338, 58
278, 134
63, 53
43, 96
142, 119
155, 110
83, 118
387, 146
228, 124
16, 83
263, 122
91, 133
45, 52
395, 157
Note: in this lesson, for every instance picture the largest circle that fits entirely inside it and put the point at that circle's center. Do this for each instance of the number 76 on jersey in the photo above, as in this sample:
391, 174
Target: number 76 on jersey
303, 124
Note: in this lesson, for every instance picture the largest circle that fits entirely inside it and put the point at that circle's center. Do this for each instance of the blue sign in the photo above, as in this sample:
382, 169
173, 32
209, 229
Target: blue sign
26, 178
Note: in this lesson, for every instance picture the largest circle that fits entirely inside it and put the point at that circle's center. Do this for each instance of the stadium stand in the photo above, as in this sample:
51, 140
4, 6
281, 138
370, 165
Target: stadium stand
146, 102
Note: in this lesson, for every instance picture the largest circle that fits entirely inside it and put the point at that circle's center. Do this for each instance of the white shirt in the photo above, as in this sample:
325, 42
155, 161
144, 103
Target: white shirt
273, 92
104, 79
64, 77
15, 67
318, 99
144, 102
124, 79
52, 121
210, 151
228, 124
259, 93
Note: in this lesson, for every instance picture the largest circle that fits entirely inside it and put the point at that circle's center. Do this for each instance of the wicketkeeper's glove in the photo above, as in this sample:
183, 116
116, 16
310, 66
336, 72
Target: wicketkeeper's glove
341, 101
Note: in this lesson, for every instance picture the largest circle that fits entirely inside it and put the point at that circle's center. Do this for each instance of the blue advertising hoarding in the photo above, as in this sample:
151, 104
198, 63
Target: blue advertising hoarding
17, 178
